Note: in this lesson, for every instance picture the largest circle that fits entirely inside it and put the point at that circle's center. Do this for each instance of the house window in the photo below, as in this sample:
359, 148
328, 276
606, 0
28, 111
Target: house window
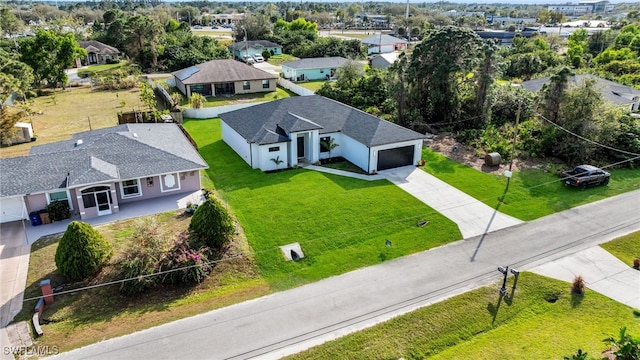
324, 141
246, 85
265, 84
60, 196
130, 188
274, 149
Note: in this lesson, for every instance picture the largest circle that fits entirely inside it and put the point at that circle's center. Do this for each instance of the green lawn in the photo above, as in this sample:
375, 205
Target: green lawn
277, 60
341, 223
532, 193
213, 101
312, 85
477, 325
625, 248
94, 70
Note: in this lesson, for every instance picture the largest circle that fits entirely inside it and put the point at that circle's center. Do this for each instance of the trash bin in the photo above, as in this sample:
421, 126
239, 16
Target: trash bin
35, 218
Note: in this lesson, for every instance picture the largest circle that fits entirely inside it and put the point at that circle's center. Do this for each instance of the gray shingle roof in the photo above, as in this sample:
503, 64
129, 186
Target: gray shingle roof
112, 154
317, 63
611, 91
302, 113
383, 39
98, 47
240, 45
216, 71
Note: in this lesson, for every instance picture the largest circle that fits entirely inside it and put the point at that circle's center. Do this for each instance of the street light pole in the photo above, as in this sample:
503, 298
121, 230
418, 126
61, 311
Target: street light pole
246, 50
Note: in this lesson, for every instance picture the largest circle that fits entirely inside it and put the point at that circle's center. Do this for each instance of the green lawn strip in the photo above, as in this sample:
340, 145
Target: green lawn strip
345, 166
102, 69
475, 326
312, 85
277, 60
340, 222
532, 193
213, 101
625, 248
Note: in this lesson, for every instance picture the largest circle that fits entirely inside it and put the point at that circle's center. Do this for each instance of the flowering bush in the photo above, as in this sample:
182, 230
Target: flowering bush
183, 264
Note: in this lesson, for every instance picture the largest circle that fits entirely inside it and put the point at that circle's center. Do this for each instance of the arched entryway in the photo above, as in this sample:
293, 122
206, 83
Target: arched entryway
98, 197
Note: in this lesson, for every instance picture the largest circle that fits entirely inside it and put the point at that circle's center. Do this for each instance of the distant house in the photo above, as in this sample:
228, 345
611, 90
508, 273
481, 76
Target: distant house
296, 130
611, 91
383, 43
223, 77
99, 53
253, 47
504, 37
98, 172
383, 61
312, 68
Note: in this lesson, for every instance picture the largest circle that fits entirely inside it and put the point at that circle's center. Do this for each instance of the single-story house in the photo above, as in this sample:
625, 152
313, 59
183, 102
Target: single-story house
98, 53
611, 91
253, 47
383, 43
503, 37
297, 129
223, 77
323, 68
383, 61
99, 171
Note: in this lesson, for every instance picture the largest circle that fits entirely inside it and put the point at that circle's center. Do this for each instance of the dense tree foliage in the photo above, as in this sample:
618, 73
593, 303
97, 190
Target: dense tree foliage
211, 225
81, 252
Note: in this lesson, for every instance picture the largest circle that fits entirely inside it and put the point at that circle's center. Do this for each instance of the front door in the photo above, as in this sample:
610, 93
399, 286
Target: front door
300, 146
103, 203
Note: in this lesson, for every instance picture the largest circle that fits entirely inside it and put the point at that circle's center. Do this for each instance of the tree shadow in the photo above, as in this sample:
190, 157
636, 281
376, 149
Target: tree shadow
486, 230
576, 299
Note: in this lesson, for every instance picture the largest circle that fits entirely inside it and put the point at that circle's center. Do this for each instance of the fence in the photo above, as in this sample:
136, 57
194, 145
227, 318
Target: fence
294, 88
211, 112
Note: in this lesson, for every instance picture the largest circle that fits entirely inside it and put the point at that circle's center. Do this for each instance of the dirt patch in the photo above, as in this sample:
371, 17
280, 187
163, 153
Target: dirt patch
447, 145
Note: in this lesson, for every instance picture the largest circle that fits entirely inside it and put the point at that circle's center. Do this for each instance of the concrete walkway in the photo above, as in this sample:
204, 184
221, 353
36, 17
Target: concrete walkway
602, 273
472, 216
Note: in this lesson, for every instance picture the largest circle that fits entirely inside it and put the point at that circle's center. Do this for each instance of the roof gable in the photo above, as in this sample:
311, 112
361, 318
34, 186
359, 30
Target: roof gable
315, 112
383, 39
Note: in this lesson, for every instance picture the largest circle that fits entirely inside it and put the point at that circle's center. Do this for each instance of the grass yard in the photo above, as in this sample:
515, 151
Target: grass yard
62, 113
97, 70
87, 317
625, 248
277, 60
532, 193
341, 223
312, 85
213, 101
477, 325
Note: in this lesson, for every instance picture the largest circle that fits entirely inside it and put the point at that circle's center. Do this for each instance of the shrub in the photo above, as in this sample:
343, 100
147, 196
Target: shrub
636, 263
184, 264
211, 224
148, 244
578, 286
197, 101
81, 252
58, 210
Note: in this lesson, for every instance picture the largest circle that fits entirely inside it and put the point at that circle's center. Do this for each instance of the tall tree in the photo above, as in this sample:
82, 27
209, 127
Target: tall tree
399, 88
143, 39
439, 70
9, 23
486, 77
554, 93
49, 54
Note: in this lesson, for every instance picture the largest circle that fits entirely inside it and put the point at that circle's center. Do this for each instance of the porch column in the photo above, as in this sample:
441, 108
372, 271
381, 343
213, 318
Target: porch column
314, 146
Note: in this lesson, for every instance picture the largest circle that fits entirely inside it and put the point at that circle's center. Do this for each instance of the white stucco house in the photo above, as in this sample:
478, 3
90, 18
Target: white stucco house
294, 131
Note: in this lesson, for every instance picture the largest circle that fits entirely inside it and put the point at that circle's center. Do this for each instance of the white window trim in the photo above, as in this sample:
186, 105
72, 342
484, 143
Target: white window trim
68, 198
177, 179
124, 196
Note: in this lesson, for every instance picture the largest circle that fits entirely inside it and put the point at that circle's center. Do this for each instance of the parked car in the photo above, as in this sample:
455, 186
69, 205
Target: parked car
198, 27
248, 59
585, 175
258, 58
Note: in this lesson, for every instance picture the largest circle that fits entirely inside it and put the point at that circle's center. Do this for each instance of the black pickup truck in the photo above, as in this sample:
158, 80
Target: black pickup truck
585, 175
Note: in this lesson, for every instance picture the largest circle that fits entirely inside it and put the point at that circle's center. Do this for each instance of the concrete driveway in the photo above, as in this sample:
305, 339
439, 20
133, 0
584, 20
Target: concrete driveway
472, 216
265, 66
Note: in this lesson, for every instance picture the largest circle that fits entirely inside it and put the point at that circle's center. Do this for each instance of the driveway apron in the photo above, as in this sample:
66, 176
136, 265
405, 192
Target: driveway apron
472, 216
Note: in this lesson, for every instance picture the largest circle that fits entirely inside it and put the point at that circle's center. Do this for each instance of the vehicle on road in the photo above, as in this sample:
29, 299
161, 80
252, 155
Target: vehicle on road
585, 175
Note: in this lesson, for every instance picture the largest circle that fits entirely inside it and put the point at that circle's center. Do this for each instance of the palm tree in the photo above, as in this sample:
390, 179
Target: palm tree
331, 144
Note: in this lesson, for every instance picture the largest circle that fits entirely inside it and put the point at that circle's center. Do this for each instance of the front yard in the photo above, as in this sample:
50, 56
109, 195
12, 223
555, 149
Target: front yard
213, 101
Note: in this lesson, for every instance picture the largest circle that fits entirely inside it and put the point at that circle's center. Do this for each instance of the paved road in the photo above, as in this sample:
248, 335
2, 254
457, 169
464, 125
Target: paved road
289, 321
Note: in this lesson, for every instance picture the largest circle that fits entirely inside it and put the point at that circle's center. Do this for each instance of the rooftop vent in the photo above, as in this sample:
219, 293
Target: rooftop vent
79, 142
135, 135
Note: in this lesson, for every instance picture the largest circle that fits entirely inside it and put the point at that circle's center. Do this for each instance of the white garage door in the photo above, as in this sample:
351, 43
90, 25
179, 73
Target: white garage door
12, 209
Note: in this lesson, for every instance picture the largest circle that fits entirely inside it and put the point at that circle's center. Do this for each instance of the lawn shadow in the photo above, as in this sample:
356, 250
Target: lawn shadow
486, 230
493, 309
576, 299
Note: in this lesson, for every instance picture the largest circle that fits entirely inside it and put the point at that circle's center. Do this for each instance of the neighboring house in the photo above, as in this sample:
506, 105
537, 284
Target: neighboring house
504, 37
223, 77
383, 43
611, 91
98, 172
383, 61
294, 130
313, 68
254, 47
99, 53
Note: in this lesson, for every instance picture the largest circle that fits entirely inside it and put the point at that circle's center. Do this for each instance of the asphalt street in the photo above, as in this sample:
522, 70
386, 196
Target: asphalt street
289, 321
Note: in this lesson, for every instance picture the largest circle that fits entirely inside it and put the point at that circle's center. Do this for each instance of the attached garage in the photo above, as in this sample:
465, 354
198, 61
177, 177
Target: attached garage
391, 158
12, 209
